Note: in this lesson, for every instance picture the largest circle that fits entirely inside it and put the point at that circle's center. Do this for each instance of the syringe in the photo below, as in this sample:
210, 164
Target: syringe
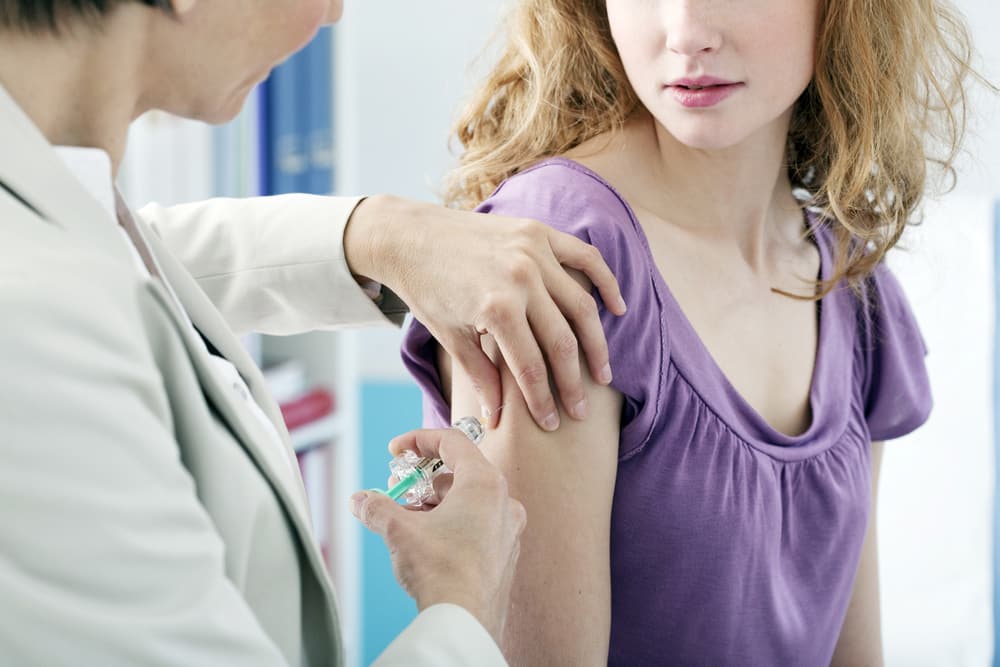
416, 473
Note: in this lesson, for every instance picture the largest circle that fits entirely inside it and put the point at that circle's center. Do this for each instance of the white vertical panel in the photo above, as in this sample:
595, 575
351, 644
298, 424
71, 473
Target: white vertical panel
936, 502
936, 511
168, 161
980, 167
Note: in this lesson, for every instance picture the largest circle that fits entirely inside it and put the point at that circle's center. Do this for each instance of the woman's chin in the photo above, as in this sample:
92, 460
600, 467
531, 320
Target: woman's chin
704, 139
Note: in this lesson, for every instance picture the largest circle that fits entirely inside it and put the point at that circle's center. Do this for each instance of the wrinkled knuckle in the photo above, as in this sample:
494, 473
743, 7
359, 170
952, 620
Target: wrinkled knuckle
521, 271
586, 306
565, 347
533, 375
498, 310
524, 244
488, 302
592, 256
521, 227
530, 228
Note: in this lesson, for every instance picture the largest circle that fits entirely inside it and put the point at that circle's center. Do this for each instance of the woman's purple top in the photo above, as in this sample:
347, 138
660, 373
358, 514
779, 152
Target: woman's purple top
731, 543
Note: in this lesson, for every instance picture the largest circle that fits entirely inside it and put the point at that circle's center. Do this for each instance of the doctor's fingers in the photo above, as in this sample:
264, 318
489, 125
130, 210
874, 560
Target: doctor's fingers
441, 486
519, 347
448, 444
474, 482
577, 306
560, 347
575, 254
467, 352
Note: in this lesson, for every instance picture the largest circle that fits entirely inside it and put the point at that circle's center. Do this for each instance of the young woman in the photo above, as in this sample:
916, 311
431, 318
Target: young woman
744, 166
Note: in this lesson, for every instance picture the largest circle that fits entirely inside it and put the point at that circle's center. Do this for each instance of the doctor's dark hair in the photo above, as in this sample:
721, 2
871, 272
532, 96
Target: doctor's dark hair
51, 15
886, 105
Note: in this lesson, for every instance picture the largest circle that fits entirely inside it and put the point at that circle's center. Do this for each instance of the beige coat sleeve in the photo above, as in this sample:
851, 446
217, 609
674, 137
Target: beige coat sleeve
444, 635
273, 264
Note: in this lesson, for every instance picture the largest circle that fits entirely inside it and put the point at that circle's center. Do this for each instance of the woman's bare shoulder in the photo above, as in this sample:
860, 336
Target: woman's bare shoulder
614, 155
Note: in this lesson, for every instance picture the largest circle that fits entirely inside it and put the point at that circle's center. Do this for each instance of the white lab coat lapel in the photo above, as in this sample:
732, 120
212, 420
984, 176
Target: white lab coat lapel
277, 463
32, 171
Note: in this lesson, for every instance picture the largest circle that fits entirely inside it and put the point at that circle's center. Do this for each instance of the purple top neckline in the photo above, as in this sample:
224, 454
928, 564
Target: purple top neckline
699, 369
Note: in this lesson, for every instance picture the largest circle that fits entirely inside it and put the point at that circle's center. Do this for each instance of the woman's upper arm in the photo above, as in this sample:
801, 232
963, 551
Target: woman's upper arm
860, 642
561, 598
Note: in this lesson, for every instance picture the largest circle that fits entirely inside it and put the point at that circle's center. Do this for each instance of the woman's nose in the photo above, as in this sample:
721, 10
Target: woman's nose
689, 28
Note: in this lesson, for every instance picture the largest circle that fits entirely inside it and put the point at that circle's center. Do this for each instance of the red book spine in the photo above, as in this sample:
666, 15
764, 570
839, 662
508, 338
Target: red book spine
309, 407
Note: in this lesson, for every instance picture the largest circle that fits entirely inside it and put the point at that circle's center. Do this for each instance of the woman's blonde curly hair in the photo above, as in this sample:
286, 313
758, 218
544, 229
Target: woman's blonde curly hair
888, 98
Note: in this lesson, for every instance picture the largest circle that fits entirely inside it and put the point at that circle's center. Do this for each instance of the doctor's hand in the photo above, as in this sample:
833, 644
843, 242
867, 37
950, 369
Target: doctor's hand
467, 274
465, 549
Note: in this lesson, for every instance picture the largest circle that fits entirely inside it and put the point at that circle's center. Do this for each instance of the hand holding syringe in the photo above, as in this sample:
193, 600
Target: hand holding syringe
474, 516
416, 474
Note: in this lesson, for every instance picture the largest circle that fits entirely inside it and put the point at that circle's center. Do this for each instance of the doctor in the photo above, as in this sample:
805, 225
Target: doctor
150, 512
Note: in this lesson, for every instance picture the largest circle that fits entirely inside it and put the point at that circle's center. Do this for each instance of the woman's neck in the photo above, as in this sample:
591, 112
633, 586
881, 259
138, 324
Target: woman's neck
82, 86
740, 195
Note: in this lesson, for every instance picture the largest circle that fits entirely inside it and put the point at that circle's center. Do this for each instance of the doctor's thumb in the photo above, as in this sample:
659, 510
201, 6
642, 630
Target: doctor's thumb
375, 510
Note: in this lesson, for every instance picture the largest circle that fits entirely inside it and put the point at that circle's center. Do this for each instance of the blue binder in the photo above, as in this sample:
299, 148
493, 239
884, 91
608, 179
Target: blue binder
318, 112
288, 159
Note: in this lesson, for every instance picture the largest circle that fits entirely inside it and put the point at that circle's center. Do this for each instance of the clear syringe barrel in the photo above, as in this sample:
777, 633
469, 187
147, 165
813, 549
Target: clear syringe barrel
420, 471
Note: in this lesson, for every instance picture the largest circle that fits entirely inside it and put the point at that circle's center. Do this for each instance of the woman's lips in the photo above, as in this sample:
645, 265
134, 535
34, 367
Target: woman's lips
697, 95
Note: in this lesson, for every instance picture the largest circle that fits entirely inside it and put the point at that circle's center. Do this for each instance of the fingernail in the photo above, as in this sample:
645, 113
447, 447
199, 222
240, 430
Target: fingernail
355, 502
551, 422
606, 374
580, 409
621, 305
